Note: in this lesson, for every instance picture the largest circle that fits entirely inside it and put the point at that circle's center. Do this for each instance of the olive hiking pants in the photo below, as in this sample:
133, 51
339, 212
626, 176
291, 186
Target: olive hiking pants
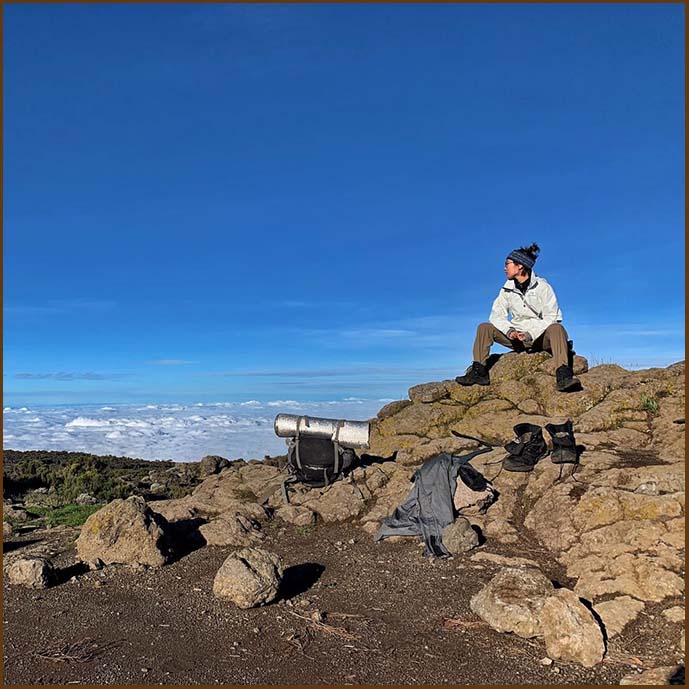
553, 340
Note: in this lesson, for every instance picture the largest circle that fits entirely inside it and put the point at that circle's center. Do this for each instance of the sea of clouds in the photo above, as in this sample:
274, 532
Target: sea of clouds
181, 432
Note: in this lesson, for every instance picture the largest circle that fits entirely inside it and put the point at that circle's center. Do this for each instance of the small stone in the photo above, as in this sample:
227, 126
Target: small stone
546, 661
7, 530
675, 614
459, 536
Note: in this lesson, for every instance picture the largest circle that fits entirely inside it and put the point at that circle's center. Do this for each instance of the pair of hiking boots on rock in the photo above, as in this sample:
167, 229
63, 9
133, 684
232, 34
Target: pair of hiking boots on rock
530, 446
477, 374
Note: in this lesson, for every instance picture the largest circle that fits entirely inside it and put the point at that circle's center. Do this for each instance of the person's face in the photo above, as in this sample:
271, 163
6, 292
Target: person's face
512, 269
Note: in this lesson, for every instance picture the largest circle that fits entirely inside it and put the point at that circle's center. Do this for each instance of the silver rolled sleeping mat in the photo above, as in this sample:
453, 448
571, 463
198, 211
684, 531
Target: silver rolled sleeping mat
352, 434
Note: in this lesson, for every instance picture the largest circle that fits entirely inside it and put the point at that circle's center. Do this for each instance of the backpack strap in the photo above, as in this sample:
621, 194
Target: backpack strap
485, 443
336, 446
296, 439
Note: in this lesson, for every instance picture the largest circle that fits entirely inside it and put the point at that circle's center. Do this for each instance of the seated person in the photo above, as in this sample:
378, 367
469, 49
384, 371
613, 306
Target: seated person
535, 324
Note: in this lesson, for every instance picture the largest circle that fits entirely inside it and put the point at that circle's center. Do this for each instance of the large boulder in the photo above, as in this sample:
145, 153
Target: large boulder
34, 572
570, 631
249, 577
512, 601
124, 531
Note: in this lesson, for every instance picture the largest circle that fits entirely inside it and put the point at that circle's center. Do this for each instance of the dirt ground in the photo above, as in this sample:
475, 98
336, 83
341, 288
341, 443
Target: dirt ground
351, 612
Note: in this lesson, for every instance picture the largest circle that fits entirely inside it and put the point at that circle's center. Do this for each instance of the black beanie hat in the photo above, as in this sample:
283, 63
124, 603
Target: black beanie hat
521, 257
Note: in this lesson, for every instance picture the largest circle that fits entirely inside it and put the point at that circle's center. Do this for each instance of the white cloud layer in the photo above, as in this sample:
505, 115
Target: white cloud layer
182, 432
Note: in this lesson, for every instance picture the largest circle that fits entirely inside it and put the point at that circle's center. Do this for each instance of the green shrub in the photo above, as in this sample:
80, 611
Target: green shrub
650, 404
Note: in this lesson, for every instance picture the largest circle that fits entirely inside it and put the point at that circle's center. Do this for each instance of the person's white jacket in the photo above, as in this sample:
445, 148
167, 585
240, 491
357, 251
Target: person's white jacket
531, 312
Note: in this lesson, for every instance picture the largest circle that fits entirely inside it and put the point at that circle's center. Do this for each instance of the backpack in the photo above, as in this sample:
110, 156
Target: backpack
317, 462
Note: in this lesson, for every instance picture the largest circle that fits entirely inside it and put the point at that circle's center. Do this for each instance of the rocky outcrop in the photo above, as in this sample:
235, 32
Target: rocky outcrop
616, 408
617, 613
241, 487
124, 531
297, 515
231, 529
212, 464
618, 525
249, 577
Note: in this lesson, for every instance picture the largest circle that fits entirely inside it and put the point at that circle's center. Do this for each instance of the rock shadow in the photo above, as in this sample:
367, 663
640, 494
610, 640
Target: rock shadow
9, 546
62, 576
366, 460
299, 579
599, 620
184, 537
494, 358
677, 676
481, 538
519, 348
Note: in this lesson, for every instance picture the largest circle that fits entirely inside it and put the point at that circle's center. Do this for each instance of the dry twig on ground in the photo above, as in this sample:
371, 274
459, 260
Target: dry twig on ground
329, 629
619, 658
78, 651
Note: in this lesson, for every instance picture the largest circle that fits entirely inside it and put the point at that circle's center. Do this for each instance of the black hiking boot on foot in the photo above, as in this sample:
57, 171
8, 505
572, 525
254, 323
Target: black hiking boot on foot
566, 382
477, 374
527, 449
564, 446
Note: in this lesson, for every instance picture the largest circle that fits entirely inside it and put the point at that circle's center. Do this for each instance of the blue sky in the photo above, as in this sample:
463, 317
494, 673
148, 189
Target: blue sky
208, 202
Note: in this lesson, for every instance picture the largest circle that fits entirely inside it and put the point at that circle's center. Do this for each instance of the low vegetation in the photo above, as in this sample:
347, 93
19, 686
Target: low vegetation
650, 404
69, 515
56, 479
